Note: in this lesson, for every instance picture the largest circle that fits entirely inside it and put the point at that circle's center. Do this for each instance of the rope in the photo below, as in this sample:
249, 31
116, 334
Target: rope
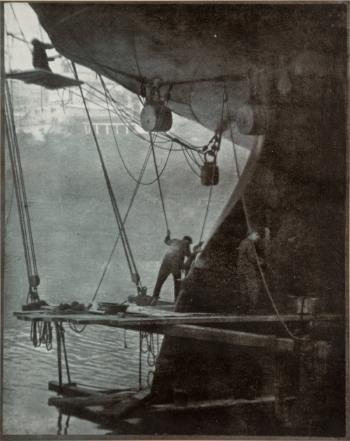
118, 148
11, 203
17, 158
140, 360
217, 143
206, 212
158, 180
124, 220
148, 346
261, 272
41, 333
20, 28
239, 176
121, 111
22, 202
74, 327
126, 245
189, 163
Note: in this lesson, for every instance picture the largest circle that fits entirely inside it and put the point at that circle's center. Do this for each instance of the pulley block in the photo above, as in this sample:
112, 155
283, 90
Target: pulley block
34, 281
209, 170
156, 117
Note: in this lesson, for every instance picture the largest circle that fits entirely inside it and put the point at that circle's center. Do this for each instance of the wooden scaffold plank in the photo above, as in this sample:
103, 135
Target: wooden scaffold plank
236, 338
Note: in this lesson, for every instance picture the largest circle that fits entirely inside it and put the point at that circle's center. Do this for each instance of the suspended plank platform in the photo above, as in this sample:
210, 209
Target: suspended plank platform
143, 317
45, 78
198, 326
76, 390
101, 406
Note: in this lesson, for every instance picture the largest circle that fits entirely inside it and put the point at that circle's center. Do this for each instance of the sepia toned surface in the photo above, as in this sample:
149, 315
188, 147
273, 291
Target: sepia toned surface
272, 79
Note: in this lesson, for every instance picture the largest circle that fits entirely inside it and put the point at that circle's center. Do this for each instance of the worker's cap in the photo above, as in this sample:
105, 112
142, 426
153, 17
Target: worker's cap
189, 238
253, 230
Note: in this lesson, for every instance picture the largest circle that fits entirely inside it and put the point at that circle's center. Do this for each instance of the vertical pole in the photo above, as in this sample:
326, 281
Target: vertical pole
65, 353
140, 360
59, 353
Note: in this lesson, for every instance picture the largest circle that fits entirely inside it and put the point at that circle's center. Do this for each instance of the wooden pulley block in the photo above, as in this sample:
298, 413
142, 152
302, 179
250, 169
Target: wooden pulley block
156, 117
252, 119
209, 170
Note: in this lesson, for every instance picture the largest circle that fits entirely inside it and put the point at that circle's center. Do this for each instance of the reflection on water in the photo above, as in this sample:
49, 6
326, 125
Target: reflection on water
74, 230
98, 358
62, 429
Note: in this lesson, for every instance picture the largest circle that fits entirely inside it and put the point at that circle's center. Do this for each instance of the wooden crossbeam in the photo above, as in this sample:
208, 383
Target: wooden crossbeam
235, 338
45, 78
77, 390
102, 406
135, 321
214, 404
89, 400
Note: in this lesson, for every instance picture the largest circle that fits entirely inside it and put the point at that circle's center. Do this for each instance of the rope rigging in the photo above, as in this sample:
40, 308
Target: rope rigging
188, 161
126, 116
22, 202
158, 181
212, 148
19, 27
135, 277
206, 212
118, 147
124, 220
149, 348
261, 271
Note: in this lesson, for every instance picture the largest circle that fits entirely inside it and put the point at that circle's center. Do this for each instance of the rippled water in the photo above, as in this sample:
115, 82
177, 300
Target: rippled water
97, 357
74, 230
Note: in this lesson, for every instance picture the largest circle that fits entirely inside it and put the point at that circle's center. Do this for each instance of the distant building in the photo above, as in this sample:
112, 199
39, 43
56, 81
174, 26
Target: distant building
40, 111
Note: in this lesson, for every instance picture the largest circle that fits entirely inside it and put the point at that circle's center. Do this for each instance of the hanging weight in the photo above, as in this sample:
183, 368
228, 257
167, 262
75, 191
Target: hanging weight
156, 117
209, 170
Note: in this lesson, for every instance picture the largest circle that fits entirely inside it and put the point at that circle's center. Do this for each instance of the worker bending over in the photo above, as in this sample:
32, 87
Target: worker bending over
189, 261
172, 263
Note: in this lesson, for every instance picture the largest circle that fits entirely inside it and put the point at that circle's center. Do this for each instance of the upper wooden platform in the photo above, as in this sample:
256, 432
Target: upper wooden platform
189, 325
45, 78
140, 317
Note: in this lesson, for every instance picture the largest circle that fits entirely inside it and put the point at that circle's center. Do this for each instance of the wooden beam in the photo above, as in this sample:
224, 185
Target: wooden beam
90, 400
137, 322
76, 390
213, 404
235, 338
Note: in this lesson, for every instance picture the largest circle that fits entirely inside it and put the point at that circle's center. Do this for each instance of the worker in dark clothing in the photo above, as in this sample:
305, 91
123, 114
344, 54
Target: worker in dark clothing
40, 58
247, 266
172, 264
189, 261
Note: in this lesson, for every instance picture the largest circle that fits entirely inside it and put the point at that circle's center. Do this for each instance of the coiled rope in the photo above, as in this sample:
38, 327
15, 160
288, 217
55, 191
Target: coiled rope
41, 333
148, 347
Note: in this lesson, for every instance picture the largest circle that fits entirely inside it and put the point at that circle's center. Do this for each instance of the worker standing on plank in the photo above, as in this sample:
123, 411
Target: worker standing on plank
172, 263
247, 267
40, 58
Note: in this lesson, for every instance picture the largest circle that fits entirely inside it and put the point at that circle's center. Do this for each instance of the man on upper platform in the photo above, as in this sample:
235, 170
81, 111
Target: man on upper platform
172, 263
